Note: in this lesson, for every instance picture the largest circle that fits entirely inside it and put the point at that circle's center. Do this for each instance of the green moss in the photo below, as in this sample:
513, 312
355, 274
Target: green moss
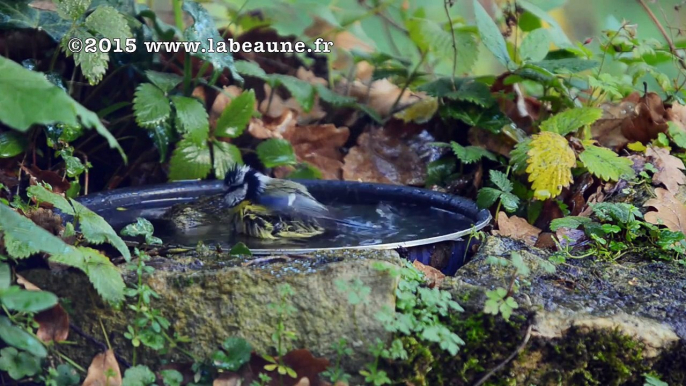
488, 340
594, 358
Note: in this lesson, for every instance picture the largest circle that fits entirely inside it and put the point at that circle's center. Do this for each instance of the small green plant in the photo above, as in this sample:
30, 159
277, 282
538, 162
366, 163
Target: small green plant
281, 337
502, 193
148, 327
653, 380
336, 373
264, 380
235, 352
501, 300
372, 374
419, 311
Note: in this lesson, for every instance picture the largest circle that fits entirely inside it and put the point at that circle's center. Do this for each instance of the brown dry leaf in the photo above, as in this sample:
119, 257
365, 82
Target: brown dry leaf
273, 127
44, 5
278, 105
98, 371
58, 183
320, 145
608, 129
53, 323
380, 96
650, 119
669, 168
677, 114
303, 382
380, 156
669, 211
517, 228
497, 143
227, 379
46, 219
523, 110
568, 237
433, 277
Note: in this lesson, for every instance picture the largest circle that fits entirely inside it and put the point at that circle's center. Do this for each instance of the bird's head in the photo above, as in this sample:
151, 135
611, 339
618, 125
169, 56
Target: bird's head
242, 183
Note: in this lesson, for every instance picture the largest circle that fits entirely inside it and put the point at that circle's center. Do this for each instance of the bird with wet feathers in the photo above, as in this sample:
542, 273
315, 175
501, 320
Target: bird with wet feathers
272, 208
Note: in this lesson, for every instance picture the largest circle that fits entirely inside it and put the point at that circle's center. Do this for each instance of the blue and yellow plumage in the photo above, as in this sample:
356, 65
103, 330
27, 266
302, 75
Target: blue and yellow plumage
271, 208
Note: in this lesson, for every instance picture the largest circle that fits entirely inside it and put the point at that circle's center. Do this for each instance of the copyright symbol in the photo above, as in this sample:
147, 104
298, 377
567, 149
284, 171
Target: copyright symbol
75, 45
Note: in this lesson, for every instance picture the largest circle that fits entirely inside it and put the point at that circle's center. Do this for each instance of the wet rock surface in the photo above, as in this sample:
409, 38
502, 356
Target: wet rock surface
210, 297
586, 305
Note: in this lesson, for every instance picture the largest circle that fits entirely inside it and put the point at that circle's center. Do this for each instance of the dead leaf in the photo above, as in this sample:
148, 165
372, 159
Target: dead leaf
274, 106
59, 183
649, 120
523, 110
497, 143
568, 237
677, 114
99, 369
53, 324
669, 211
382, 157
320, 145
268, 127
46, 219
227, 379
433, 277
380, 95
517, 228
303, 382
669, 168
545, 240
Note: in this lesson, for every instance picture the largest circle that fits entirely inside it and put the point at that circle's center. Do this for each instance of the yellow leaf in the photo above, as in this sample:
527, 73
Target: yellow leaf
419, 112
637, 147
550, 164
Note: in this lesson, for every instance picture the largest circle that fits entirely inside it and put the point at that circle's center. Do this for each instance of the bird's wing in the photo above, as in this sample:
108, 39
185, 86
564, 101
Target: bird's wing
292, 203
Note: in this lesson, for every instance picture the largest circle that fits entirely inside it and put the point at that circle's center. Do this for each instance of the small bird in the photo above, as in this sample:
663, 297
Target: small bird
271, 208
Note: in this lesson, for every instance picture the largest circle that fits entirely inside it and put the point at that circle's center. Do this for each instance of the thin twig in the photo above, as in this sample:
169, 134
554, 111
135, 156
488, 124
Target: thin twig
98, 343
670, 43
507, 360
447, 4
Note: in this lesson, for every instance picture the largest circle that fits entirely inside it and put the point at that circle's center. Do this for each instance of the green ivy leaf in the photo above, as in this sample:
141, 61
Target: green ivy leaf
203, 29
72, 9
12, 144
191, 118
535, 45
139, 375
225, 156
18, 364
606, 164
470, 154
490, 35
17, 337
142, 227
21, 90
19, 15
276, 152
109, 23
571, 120
165, 81
302, 91
190, 161
21, 300
248, 68
236, 116
97, 231
438, 172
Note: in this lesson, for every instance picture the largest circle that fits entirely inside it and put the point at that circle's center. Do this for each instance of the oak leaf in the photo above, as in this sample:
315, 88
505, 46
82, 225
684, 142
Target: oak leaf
550, 164
669, 211
517, 228
101, 369
669, 168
